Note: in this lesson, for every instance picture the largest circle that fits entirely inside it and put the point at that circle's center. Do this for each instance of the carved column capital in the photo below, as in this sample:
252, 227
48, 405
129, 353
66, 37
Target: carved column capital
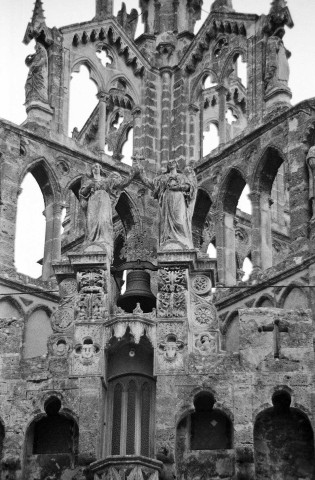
193, 109
102, 96
254, 196
136, 112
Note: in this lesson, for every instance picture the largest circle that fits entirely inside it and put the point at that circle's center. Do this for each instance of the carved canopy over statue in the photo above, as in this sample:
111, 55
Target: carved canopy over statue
36, 87
97, 195
176, 194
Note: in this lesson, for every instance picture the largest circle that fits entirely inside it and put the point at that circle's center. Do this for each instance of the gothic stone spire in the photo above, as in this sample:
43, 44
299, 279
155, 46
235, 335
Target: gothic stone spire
38, 13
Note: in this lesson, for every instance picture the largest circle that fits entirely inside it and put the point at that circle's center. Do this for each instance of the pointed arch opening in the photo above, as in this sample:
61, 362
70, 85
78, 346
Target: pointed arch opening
272, 209
236, 228
38, 223
82, 99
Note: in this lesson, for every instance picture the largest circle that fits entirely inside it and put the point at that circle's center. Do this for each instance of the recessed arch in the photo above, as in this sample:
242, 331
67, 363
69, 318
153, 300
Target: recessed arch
46, 178
295, 295
9, 306
127, 211
201, 210
226, 69
197, 86
265, 171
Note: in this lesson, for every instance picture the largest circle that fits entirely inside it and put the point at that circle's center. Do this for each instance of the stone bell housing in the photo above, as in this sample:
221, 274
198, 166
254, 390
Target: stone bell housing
195, 371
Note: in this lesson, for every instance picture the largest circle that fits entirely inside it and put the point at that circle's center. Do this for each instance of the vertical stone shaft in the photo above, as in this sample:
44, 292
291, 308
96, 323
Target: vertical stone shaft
222, 91
137, 124
166, 108
102, 97
256, 220
194, 150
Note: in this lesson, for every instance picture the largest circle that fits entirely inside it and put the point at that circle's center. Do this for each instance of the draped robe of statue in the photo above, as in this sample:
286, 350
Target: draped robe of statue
36, 87
176, 194
97, 195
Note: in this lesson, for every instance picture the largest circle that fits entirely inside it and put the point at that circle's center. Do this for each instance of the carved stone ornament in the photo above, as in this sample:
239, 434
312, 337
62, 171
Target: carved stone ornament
87, 351
201, 284
59, 345
68, 287
170, 353
92, 281
205, 313
171, 347
139, 246
62, 319
171, 298
206, 343
90, 307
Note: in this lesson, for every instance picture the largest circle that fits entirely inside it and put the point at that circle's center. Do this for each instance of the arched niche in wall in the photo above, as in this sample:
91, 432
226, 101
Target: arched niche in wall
201, 210
54, 435
265, 302
10, 308
283, 442
36, 333
49, 191
269, 188
131, 396
232, 333
208, 429
295, 297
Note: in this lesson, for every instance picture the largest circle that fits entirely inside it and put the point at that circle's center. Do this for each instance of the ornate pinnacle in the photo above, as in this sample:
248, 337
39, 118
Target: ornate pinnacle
38, 13
37, 24
222, 6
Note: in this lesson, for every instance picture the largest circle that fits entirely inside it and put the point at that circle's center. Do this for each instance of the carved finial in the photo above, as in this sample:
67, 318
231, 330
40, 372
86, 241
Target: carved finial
37, 24
38, 13
222, 6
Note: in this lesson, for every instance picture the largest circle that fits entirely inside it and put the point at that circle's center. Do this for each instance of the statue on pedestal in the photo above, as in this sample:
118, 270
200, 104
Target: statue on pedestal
176, 194
97, 194
36, 87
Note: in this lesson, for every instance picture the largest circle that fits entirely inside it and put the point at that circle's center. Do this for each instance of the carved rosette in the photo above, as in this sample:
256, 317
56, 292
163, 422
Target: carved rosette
172, 292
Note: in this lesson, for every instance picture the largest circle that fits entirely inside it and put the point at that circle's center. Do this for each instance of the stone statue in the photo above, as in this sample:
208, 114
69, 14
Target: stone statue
176, 194
97, 193
277, 65
36, 87
310, 160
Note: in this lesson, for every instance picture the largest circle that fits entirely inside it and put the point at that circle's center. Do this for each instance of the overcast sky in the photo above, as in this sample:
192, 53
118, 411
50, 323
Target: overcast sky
15, 14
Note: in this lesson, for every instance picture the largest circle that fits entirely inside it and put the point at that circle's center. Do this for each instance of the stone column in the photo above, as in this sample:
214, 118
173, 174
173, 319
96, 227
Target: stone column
229, 249
219, 235
137, 129
255, 247
194, 148
157, 8
265, 230
166, 107
103, 98
222, 91
175, 6
52, 249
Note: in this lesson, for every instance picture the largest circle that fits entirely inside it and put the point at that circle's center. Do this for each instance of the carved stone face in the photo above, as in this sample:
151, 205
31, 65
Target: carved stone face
171, 164
171, 350
87, 351
96, 170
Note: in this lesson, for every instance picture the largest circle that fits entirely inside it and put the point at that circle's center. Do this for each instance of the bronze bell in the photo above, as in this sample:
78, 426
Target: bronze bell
137, 291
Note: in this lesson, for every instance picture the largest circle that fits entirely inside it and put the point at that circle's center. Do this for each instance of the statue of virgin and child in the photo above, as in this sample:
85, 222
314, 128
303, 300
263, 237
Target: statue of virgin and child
175, 192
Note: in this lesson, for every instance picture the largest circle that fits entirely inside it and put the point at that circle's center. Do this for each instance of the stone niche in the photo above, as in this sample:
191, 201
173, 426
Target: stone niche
204, 441
283, 442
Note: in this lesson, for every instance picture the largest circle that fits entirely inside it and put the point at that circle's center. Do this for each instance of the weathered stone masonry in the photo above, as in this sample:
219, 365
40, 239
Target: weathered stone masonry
184, 381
